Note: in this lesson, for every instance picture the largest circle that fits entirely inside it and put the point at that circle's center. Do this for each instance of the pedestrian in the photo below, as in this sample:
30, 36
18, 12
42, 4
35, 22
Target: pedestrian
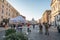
14, 26
28, 29
19, 27
46, 29
40, 27
33, 26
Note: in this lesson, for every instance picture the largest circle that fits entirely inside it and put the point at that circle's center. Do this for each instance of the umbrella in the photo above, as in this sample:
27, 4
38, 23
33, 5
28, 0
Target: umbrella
18, 19
21, 19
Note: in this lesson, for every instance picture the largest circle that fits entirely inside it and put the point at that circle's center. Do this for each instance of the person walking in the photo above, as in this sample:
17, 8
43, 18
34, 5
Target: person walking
33, 26
46, 29
28, 29
40, 27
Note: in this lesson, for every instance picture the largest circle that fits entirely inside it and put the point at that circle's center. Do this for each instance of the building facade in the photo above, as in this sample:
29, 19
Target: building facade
41, 20
46, 16
55, 8
57, 20
7, 10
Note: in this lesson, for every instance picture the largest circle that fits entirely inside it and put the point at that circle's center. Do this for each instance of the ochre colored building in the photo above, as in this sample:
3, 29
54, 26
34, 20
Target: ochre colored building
7, 10
41, 20
46, 16
55, 8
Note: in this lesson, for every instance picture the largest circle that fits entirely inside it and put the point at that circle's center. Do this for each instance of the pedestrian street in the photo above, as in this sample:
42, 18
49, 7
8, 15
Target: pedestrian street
35, 35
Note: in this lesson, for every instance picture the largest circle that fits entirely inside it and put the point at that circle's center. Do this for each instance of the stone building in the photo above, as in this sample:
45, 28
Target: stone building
55, 10
46, 17
7, 10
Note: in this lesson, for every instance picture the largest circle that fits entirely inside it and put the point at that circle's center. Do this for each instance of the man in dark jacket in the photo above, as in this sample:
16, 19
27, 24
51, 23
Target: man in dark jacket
40, 27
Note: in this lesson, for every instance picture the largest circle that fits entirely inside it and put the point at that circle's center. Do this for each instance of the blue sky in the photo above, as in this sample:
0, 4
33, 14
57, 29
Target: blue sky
31, 8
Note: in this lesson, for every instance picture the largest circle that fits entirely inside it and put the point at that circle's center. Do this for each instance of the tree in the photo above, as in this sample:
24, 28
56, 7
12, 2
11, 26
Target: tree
16, 36
12, 35
9, 31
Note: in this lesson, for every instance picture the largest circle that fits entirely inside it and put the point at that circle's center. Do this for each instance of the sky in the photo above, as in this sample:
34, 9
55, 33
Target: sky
31, 8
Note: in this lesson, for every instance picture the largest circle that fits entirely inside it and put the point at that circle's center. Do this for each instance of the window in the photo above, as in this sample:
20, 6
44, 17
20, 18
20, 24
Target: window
6, 13
9, 10
1, 16
7, 4
2, 6
57, 16
54, 7
59, 13
6, 8
58, 0
2, 11
2, 0
9, 14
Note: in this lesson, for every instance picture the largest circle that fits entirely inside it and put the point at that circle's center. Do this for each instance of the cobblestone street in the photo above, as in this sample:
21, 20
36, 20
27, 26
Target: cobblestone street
2, 33
53, 34
35, 35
